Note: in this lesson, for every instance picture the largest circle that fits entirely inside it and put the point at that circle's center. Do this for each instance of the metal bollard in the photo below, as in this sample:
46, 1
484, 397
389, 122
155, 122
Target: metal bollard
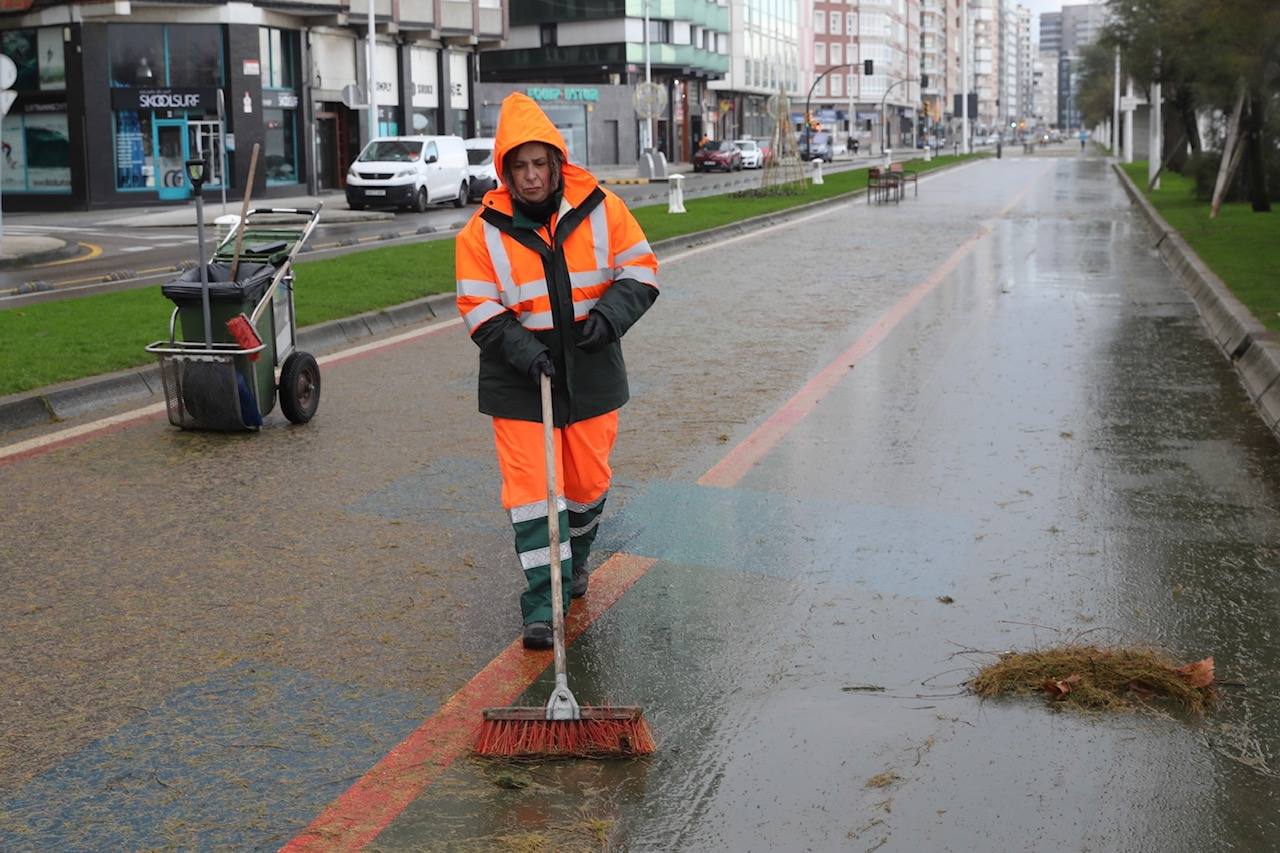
225, 226
675, 194
928, 151
817, 170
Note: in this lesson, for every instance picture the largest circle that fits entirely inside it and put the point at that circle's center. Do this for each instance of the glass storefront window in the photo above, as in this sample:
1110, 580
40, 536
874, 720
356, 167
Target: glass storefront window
145, 55
137, 54
195, 58
135, 168
571, 121
281, 148
278, 51
425, 122
37, 56
388, 121
37, 153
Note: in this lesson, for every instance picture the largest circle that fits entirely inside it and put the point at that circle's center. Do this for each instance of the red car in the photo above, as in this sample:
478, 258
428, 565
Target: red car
718, 154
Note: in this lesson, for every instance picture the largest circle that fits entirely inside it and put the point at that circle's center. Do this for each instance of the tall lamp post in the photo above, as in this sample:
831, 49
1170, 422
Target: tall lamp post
808, 129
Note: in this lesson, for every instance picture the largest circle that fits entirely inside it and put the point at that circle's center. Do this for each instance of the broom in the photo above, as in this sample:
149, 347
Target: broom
563, 729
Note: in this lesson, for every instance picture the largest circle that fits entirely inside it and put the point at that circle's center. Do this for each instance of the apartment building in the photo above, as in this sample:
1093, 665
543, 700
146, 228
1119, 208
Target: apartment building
881, 108
1068, 33
985, 62
604, 43
939, 62
766, 53
1026, 67
1045, 88
114, 96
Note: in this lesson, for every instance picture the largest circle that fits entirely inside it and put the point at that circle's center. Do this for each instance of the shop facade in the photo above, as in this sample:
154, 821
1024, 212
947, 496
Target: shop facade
108, 109
598, 122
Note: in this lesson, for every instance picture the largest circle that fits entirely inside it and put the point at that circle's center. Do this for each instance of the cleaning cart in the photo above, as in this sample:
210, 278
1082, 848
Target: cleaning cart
218, 368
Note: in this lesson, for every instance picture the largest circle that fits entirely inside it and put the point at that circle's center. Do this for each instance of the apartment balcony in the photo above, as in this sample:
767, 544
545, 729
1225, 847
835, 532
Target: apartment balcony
455, 15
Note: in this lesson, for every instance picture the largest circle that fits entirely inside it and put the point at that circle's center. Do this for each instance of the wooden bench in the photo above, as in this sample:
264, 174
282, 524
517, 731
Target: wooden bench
903, 177
883, 185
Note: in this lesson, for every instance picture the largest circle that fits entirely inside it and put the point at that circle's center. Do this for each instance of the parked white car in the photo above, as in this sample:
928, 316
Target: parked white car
482, 173
409, 171
752, 153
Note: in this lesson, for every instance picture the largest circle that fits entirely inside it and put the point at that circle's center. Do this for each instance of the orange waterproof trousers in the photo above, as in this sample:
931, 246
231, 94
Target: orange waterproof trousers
582, 478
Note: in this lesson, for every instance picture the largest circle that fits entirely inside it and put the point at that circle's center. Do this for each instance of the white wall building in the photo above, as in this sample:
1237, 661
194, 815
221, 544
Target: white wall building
765, 53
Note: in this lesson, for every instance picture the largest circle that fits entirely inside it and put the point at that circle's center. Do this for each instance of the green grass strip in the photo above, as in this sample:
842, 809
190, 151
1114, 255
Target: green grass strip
85, 336
1241, 246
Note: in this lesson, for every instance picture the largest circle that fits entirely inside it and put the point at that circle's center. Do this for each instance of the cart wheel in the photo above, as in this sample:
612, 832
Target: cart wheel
300, 387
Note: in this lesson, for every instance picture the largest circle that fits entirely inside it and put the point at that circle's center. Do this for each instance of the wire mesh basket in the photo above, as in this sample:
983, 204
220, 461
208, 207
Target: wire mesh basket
202, 391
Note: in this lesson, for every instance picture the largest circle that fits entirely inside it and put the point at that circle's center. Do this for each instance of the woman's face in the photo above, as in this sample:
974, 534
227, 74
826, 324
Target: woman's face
530, 168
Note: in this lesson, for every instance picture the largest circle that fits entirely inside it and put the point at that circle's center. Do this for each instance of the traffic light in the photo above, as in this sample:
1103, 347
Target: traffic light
867, 65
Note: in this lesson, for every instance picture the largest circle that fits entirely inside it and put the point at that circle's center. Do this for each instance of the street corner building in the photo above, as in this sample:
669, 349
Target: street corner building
112, 97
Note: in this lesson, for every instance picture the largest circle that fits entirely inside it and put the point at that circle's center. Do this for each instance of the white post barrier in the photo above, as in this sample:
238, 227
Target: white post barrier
675, 194
817, 170
226, 225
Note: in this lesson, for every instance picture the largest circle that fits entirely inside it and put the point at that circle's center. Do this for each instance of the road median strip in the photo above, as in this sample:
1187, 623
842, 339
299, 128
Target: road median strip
54, 347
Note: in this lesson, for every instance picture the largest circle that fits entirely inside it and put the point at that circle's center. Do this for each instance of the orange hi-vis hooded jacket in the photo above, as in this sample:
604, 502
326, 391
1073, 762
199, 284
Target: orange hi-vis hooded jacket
523, 291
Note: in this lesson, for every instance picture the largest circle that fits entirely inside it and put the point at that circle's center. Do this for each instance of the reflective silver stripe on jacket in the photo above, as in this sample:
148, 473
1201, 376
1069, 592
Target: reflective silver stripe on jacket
582, 306
537, 320
637, 251
537, 509
498, 256
540, 557
475, 287
480, 313
588, 278
600, 235
523, 292
644, 275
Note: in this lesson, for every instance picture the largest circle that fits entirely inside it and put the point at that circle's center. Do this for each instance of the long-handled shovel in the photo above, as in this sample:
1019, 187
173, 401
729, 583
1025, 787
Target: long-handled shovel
562, 729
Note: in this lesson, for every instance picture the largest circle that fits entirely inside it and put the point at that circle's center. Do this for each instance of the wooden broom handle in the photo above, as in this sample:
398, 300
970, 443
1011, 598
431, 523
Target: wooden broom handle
244, 211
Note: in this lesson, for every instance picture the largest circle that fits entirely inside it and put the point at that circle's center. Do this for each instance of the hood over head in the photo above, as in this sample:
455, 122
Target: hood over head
521, 120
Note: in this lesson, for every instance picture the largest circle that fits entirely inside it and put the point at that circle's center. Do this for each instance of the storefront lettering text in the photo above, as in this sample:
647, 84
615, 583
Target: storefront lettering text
166, 101
567, 93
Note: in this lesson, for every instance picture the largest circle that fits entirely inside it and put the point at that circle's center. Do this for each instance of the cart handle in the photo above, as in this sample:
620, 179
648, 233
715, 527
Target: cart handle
285, 267
173, 323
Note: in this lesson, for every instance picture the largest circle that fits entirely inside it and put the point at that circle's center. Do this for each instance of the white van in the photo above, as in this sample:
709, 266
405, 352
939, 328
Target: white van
483, 175
409, 171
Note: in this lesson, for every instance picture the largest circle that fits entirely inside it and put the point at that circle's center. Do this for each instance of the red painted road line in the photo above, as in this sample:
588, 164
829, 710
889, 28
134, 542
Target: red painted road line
730, 470
368, 806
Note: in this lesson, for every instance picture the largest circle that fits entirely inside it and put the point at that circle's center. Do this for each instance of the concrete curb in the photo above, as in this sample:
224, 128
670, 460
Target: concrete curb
66, 250
142, 384
1245, 342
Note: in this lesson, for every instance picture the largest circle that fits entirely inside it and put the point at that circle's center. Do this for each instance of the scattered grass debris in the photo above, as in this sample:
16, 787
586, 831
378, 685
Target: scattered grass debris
862, 688
884, 780
946, 599
1107, 678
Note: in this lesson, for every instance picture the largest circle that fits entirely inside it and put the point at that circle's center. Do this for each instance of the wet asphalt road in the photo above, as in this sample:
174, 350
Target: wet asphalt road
206, 639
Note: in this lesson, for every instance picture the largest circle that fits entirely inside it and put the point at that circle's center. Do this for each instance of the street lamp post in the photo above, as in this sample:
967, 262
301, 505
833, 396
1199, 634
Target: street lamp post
808, 132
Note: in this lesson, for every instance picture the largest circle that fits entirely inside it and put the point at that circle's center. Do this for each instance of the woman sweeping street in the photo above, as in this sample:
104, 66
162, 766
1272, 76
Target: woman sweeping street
551, 272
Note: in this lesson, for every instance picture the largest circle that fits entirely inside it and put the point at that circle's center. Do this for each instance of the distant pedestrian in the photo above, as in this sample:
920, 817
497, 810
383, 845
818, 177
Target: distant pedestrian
551, 272
854, 143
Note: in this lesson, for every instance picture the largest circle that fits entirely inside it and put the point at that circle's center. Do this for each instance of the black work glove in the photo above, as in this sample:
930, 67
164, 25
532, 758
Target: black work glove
596, 333
542, 366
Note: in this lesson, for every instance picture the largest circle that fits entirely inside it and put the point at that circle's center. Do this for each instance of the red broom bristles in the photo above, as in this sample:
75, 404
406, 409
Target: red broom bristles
244, 333
565, 738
